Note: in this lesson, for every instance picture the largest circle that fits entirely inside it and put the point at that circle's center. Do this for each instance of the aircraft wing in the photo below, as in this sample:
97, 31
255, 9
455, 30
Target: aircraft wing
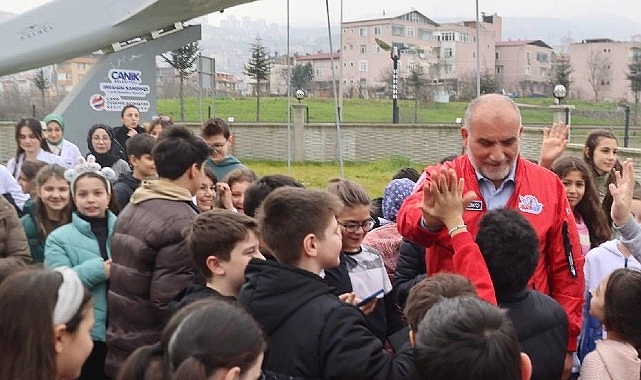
44, 35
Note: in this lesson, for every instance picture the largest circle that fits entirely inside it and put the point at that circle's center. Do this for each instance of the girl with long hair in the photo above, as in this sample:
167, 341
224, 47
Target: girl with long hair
50, 209
30, 145
591, 220
45, 324
84, 245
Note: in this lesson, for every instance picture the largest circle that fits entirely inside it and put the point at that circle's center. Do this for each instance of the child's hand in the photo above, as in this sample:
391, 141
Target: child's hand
446, 191
224, 196
554, 141
107, 265
349, 298
622, 194
368, 307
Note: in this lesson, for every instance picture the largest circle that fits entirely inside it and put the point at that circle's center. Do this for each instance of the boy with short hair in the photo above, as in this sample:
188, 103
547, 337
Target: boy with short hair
151, 261
431, 290
312, 333
221, 242
465, 338
216, 133
139, 149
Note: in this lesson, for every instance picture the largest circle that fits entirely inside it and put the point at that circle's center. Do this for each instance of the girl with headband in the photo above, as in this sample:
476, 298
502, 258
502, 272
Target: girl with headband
35, 302
84, 245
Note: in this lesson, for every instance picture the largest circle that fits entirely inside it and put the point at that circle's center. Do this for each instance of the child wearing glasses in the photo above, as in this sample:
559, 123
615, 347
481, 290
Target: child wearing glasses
361, 270
216, 133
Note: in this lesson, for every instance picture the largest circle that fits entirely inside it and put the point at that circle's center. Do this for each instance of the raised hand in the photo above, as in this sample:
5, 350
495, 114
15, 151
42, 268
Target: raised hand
554, 141
622, 193
447, 199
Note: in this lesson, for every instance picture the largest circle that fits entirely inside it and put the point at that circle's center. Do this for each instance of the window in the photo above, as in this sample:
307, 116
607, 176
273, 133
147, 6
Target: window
411, 66
425, 35
377, 30
543, 72
362, 32
496, 55
410, 32
528, 57
362, 65
320, 72
541, 57
528, 69
363, 49
446, 36
377, 48
499, 69
448, 53
398, 30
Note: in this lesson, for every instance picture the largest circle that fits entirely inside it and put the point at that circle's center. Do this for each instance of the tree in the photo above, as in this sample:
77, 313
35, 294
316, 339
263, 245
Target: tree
184, 61
599, 72
416, 81
258, 68
634, 76
561, 70
42, 83
488, 83
302, 76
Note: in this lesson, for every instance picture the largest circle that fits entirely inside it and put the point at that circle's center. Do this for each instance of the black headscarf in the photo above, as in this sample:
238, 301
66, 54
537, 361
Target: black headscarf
115, 153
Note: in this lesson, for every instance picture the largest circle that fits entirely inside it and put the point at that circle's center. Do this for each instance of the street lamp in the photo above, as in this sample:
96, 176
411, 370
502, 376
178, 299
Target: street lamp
395, 54
559, 93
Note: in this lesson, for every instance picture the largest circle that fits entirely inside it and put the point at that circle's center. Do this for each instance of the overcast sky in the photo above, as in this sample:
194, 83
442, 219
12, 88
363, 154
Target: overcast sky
313, 11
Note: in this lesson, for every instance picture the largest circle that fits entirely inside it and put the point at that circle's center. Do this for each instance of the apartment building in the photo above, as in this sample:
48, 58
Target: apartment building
600, 68
68, 73
322, 66
524, 67
446, 52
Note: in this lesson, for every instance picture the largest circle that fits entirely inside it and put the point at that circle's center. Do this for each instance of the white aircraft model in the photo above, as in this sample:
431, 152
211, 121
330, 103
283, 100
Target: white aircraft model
64, 29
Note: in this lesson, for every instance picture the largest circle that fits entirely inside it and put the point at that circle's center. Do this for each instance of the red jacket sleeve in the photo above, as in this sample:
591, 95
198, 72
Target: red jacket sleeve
468, 261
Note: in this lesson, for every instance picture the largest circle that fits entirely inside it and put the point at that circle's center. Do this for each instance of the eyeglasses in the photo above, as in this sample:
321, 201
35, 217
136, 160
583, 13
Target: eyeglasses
156, 118
217, 146
99, 139
354, 226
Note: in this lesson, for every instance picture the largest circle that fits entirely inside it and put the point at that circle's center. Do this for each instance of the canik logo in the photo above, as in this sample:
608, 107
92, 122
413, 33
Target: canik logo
529, 204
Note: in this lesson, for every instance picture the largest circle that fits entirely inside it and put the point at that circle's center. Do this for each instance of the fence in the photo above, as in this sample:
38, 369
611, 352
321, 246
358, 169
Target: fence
359, 142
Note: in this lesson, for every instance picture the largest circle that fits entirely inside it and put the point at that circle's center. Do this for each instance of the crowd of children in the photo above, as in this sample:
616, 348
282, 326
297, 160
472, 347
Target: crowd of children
161, 256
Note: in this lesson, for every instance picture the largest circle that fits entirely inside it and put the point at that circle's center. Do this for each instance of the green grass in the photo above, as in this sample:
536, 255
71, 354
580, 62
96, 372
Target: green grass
373, 176
367, 111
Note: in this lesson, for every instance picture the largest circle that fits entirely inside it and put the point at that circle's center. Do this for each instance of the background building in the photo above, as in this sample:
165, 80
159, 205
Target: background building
600, 68
524, 67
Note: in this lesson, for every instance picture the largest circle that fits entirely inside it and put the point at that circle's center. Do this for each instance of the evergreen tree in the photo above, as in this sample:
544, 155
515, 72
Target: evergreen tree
258, 68
634, 76
184, 61
302, 76
41, 81
488, 83
561, 70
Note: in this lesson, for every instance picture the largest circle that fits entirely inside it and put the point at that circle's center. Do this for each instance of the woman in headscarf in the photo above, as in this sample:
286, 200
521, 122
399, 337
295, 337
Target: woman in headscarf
108, 152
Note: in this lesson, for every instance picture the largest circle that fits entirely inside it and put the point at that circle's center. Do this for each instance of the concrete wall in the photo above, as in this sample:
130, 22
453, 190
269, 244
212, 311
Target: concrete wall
360, 142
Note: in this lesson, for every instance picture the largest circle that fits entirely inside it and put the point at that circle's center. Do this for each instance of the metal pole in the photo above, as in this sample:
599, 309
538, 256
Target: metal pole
339, 143
567, 116
626, 126
289, 102
340, 69
478, 51
395, 87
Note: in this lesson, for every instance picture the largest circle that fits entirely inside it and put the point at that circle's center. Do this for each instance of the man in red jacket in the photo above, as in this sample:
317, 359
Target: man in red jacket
497, 176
